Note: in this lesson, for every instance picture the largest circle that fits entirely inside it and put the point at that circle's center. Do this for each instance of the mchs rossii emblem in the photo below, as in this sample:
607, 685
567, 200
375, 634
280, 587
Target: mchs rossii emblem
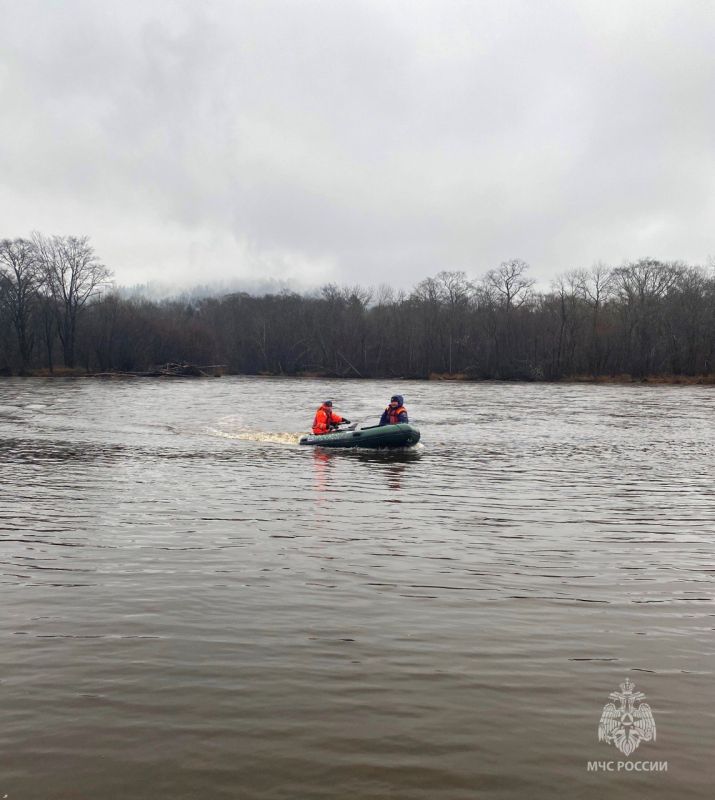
628, 724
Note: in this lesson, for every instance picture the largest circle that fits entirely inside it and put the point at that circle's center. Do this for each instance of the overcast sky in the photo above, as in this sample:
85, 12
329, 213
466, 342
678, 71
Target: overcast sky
359, 141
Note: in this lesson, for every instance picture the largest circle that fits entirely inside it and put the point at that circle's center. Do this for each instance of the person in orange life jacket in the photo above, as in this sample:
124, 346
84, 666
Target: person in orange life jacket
395, 412
326, 419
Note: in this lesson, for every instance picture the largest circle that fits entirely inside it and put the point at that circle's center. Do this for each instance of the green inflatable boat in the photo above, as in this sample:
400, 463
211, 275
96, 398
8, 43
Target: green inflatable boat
375, 437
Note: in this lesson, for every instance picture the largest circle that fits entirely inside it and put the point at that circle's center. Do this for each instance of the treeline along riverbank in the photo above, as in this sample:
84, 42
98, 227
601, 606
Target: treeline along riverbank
59, 313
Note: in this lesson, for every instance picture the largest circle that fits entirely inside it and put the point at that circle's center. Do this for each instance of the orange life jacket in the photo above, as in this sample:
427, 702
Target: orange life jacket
324, 418
393, 414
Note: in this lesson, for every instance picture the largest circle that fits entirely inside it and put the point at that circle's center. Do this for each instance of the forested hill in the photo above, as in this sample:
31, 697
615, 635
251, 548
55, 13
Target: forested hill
647, 318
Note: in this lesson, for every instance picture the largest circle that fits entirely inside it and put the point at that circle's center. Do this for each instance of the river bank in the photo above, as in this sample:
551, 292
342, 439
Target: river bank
624, 378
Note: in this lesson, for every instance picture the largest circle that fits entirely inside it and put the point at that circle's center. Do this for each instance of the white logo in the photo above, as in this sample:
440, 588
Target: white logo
628, 725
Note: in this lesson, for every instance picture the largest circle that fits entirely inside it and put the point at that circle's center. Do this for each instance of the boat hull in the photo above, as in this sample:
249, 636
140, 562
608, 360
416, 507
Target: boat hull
375, 437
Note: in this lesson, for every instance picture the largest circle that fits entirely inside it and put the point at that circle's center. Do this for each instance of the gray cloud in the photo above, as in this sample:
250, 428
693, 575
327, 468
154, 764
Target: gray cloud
359, 141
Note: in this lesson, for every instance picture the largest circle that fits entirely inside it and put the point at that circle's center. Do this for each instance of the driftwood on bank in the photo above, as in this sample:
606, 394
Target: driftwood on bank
171, 370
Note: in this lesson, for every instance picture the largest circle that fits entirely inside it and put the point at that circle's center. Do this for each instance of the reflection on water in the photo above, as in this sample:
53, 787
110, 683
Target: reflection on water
196, 606
386, 466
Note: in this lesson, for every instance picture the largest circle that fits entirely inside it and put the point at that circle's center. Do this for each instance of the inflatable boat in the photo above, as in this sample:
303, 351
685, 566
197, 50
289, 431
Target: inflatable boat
376, 436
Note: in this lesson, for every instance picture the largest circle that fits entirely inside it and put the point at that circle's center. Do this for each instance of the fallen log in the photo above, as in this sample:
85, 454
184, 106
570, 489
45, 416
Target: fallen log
171, 370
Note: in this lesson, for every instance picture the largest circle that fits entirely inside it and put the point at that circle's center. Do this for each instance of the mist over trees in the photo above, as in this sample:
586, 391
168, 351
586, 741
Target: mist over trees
645, 318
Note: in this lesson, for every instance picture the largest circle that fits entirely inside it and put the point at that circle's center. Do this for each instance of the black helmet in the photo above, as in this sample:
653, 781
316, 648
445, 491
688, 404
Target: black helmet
328, 403
397, 398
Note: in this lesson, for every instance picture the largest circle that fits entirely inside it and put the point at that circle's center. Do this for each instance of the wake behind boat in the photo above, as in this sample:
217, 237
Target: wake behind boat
374, 437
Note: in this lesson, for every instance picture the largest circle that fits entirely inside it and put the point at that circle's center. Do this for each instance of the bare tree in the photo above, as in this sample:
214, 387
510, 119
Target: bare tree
509, 283
641, 286
72, 275
506, 290
456, 293
689, 322
595, 286
385, 295
565, 290
646, 280
20, 277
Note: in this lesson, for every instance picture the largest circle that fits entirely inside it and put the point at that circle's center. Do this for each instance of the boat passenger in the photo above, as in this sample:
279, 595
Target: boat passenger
395, 412
326, 419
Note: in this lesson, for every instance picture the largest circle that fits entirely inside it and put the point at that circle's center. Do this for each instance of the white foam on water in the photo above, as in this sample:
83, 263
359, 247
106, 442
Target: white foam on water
245, 435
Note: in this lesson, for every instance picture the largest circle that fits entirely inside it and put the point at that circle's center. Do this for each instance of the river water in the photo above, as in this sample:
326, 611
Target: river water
193, 606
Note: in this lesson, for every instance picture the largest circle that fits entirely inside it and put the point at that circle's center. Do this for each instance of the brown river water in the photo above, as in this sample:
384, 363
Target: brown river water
194, 606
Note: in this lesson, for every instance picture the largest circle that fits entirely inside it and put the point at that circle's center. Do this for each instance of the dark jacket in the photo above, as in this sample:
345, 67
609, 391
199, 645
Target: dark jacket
392, 416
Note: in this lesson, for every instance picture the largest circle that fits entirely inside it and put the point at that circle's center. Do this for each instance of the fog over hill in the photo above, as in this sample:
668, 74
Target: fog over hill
161, 290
